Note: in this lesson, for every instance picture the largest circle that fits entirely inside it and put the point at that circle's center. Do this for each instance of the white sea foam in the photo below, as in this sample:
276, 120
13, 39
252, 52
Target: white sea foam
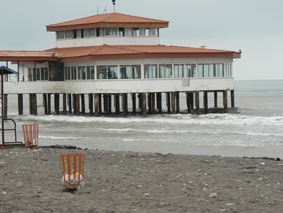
209, 119
59, 138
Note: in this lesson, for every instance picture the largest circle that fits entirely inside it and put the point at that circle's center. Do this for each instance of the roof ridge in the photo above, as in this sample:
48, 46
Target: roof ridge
109, 17
97, 50
123, 48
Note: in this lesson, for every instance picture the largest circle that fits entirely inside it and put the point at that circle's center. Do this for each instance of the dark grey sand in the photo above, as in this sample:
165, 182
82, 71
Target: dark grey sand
139, 182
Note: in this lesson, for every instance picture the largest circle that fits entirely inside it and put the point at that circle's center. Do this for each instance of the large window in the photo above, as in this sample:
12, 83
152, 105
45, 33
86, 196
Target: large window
130, 71
165, 70
153, 32
128, 31
111, 31
142, 31
150, 71
44, 74
67, 73
81, 72
189, 70
68, 34
92, 32
73, 73
60, 34
203, 70
218, 70
90, 72
178, 70
107, 72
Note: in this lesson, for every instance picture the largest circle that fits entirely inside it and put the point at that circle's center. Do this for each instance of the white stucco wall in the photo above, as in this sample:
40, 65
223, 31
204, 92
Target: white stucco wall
120, 86
110, 40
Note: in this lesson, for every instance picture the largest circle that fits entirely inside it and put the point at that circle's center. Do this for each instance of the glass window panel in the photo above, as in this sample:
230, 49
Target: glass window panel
101, 72
142, 31
136, 71
37, 73
78, 33
136, 32
60, 35
85, 33
90, 72
80, 72
187, 71
83, 72
176, 70
121, 32
112, 72
221, 70
68, 34
125, 72
214, 70
168, 71
128, 31
200, 70
146, 70
108, 31
74, 72
114, 31
46, 73
153, 31
92, 32
193, 70
206, 70
161, 70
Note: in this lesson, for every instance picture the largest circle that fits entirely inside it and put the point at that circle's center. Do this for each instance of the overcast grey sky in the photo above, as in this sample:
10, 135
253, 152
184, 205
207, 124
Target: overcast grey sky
254, 26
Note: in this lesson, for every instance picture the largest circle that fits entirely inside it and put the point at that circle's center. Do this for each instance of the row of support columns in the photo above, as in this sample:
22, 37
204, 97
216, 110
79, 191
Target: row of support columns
148, 103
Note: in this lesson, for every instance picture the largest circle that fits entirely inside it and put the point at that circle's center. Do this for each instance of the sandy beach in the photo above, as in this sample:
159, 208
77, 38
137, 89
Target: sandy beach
118, 181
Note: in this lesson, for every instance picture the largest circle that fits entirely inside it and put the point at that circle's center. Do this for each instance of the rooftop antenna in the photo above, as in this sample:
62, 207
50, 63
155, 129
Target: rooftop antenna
114, 2
97, 10
105, 10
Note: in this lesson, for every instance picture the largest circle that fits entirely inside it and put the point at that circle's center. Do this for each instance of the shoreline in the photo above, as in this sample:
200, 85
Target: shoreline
121, 181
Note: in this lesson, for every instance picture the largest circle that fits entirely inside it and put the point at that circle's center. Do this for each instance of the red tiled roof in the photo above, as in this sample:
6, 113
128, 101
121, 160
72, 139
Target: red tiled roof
110, 52
108, 20
27, 56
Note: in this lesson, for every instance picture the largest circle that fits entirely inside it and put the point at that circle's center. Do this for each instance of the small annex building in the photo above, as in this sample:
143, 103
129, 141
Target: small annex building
110, 58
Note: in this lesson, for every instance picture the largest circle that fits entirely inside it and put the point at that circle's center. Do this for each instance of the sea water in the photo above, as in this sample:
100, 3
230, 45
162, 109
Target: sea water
253, 128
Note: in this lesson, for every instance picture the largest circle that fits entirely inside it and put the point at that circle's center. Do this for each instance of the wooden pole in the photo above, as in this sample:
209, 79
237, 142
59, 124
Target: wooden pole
140, 100
225, 101
192, 100
144, 104
173, 101
70, 103
100, 103
64, 104
152, 102
30, 104
215, 99
177, 102
125, 104
134, 104
117, 104
57, 103
232, 99
205, 102
45, 103
159, 102
197, 102
83, 103
20, 104
90, 103
96, 105
106, 103
49, 104
149, 103
77, 104
109, 103
34, 108
168, 101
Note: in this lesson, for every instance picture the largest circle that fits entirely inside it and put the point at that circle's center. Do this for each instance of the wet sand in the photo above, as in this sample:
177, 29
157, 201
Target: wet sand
117, 181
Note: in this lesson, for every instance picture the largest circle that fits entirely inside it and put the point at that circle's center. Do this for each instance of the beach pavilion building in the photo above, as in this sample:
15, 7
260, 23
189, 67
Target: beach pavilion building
109, 59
